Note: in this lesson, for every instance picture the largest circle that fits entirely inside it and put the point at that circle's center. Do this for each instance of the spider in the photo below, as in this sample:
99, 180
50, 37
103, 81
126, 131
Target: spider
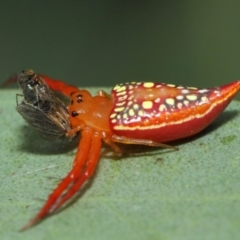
144, 113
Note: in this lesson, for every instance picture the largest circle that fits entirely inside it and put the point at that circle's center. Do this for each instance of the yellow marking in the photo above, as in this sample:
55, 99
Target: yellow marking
180, 87
141, 113
157, 100
148, 84
203, 90
122, 98
179, 97
192, 97
147, 104
120, 88
162, 108
179, 105
135, 106
125, 116
130, 103
170, 101
171, 85
130, 92
130, 97
120, 109
114, 120
186, 103
185, 91
118, 116
163, 124
192, 88
120, 103
116, 87
121, 93
131, 112
113, 115
204, 99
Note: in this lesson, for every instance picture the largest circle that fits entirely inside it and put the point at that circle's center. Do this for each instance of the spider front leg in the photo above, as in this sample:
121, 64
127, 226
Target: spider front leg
58, 85
83, 167
87, 170
54, 84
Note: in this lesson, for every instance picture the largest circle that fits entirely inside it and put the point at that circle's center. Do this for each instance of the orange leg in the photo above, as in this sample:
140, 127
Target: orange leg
54, 84
88, 171
58, 85
9, 81
83, 167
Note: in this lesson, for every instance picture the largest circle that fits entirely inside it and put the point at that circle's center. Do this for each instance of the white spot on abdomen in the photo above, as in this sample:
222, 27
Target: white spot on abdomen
147, 104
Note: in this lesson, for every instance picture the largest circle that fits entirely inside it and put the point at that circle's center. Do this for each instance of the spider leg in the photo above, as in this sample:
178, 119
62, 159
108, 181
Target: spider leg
58, 85
126, 140
54, 84
88, 171
9, 81
83, 167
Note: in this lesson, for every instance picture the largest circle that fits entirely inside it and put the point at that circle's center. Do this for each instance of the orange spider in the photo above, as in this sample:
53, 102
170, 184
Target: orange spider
143, 113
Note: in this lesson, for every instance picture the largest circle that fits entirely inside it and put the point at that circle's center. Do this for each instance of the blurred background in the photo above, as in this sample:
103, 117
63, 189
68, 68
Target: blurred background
102, 43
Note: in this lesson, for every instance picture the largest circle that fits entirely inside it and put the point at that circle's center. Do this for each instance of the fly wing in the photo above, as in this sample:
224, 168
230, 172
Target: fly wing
48, 125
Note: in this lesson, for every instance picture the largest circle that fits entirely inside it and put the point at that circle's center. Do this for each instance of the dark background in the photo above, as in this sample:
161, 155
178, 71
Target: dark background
101, 43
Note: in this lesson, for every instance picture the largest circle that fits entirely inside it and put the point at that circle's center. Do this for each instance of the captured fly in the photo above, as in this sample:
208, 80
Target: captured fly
41, 108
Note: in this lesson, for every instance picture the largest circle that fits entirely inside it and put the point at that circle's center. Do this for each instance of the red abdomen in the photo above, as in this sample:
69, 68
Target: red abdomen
165, 112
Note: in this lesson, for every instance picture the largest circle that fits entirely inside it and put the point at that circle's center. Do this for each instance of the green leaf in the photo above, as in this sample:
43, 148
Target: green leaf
192, 193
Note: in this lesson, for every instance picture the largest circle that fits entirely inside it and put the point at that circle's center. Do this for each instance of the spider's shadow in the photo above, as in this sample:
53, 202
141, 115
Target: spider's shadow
32, 142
